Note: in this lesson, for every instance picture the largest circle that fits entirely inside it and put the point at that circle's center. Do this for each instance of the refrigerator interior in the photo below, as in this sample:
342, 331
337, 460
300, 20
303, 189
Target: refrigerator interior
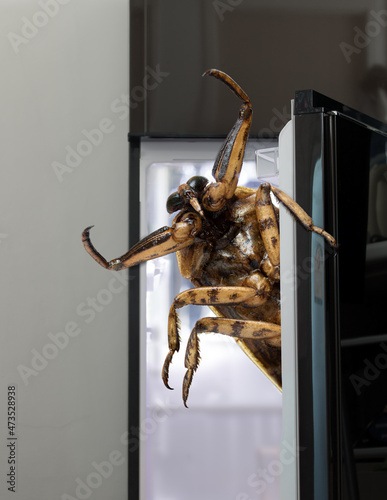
227, 443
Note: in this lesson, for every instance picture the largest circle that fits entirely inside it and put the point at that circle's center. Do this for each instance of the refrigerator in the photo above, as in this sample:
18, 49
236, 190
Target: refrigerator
324, 436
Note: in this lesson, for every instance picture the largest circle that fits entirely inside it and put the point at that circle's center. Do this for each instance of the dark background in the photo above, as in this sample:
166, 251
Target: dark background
271, 48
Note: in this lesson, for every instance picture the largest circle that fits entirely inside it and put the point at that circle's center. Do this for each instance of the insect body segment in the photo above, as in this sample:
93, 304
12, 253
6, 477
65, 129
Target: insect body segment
227, 243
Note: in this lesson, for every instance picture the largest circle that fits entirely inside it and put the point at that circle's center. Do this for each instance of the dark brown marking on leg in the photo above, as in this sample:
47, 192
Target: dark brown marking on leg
237, 328
266, 224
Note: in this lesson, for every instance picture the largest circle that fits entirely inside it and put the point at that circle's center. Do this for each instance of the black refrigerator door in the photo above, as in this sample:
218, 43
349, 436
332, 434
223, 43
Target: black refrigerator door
341, 178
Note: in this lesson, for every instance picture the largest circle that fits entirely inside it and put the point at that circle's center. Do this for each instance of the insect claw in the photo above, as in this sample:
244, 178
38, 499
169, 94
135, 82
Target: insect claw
186, 385
89, 247
165, 370
220, 75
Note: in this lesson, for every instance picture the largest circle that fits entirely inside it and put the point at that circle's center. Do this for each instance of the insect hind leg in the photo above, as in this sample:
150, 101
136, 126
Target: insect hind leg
198, 296
238, 329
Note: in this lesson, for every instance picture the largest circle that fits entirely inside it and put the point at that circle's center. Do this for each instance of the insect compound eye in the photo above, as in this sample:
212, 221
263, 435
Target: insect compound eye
174, 202
197, 183
186, 193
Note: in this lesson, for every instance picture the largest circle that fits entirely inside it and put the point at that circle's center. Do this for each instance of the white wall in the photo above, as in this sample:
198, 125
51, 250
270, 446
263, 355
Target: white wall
64, 71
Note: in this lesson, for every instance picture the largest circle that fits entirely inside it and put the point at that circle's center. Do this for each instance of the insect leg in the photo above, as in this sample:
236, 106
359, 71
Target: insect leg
238, 329
90, 249
199, 296
228, 163
268, 226
161, 242
301, 216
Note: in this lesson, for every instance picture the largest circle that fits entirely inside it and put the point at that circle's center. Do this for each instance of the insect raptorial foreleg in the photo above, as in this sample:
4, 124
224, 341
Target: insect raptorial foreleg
161, 242
229, 161
238, 329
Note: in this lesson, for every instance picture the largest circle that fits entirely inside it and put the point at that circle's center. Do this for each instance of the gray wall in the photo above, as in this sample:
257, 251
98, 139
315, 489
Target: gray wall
63, 321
